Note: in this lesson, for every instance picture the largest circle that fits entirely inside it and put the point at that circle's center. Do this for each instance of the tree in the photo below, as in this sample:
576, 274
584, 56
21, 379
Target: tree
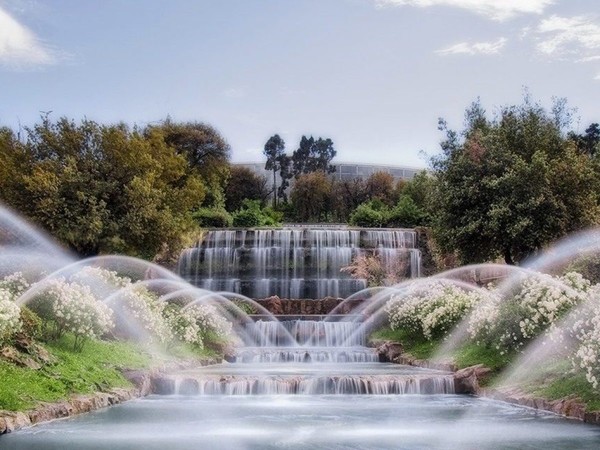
207, 153
588, 143
510, 185
312, 156
274, 151
348, 194
102, 188
311, 197
244, 184
380, 185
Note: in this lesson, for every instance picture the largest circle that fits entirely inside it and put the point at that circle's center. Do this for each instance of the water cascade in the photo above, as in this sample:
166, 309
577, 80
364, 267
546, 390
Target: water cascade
294, 262
323, 358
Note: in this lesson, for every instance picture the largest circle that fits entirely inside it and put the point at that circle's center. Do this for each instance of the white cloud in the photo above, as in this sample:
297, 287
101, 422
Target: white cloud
474, 48
597, 77
579, 35
493, 9
589, 59
19, 47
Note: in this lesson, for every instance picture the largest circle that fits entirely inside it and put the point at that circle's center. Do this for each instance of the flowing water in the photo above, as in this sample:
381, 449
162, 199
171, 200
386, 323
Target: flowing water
308, 385
294, 262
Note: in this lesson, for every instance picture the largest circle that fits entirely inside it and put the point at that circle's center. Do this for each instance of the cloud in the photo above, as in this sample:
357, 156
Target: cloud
597, 77
474, 48
19, 47
492, 9
561, 36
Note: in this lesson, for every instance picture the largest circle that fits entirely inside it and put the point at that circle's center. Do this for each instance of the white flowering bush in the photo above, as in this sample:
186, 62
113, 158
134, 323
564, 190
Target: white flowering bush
432, 311
536, 306
146, 310
71, 307
184, 325
14, 283
10, 315
103, 282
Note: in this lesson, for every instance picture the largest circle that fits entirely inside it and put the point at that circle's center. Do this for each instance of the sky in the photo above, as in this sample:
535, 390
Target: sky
372, 75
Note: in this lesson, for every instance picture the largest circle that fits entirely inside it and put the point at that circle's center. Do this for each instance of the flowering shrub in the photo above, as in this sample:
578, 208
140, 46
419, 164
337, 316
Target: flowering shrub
539, 302
14, 283
71, 307
102, 282
147, 311
432, 311
184, 325
10, 315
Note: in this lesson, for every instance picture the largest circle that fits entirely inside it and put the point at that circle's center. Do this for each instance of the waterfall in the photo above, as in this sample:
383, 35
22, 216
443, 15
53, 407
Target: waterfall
294, 262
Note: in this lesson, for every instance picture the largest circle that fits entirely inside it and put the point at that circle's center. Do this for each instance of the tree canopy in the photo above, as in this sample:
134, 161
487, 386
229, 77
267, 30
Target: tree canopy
508, 186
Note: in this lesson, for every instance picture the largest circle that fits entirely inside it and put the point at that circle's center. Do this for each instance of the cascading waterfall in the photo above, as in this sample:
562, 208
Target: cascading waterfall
307, 357
294, 262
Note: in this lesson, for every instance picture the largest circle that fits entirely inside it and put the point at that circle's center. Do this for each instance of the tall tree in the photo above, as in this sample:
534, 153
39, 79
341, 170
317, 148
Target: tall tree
510, 185
312, 156
274, 151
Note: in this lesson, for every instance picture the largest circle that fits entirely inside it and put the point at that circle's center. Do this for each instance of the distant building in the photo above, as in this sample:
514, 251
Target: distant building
347, 171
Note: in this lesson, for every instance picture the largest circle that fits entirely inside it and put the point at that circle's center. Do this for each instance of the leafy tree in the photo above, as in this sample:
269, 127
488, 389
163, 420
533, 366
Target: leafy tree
406, 214
510, 185
102, 188
274, 151
244, 184
380, 185
312, 156
348, 194
207, 152
311, 197
588, 143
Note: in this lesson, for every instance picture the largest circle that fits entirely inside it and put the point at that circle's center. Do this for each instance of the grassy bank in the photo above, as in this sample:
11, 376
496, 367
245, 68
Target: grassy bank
553, 382
95, 368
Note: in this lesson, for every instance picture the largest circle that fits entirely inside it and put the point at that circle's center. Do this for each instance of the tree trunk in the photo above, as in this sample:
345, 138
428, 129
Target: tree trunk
274, 189
508, 257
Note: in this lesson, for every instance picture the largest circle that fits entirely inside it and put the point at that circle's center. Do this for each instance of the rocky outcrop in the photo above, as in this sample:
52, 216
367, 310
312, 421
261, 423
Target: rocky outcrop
469, 379
391, 351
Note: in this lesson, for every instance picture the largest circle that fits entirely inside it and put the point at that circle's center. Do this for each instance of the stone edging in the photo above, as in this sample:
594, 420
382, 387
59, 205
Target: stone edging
468, 381
79, 404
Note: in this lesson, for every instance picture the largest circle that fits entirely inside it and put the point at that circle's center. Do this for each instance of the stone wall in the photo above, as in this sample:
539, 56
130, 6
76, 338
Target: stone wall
301, 307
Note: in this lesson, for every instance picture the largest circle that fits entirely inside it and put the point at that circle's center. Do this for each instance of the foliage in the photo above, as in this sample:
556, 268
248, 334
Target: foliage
538, 303
276, 161
512, 184
348, 195
406, 214
431, 311
311, 197
380, 186
72, 307
244, 184
313, 155
369, 214
206, 151
213, 218
10, 316
104, 188
252, 215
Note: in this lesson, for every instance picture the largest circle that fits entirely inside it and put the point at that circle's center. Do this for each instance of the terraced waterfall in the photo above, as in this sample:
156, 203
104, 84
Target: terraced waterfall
295, 262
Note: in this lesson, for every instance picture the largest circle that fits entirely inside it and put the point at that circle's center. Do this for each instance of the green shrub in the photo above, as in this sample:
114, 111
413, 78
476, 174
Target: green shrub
32, 323
213, 218
251, 214
406, 214
370, 214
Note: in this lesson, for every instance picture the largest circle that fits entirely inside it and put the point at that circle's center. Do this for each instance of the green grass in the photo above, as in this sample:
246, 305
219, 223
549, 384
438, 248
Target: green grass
414, 344
471, 354
94, 369
557, 380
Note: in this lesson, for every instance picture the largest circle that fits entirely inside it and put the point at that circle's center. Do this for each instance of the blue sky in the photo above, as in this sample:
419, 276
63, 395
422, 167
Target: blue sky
374, 75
